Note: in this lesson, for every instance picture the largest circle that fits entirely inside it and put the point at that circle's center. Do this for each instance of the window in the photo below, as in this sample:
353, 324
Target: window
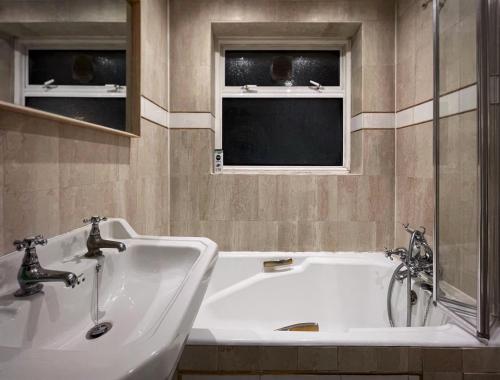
283, 105
87, 83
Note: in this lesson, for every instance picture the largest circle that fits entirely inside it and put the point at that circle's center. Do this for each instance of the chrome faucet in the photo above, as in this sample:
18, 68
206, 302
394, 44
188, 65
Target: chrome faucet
31, 275
417, 259
95, 242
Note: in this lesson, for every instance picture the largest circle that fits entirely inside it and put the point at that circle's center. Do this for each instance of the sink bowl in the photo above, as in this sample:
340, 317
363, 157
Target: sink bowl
150, 295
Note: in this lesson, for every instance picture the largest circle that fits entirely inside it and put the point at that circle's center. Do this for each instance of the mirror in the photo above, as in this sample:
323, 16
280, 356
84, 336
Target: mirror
69, 58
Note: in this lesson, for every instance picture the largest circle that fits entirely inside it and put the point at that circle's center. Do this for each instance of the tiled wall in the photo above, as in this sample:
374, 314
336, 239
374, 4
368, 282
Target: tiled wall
52, 174
414, 168
426, 363
6, 69
458, 179
283, 212
457, 146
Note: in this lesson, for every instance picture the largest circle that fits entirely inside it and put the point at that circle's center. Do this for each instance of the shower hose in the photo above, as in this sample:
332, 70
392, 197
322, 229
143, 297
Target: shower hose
397, 275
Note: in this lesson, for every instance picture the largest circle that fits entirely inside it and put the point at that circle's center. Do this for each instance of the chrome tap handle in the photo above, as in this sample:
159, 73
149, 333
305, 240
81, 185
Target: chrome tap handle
401, 252
95, 219
29, 242
407, 228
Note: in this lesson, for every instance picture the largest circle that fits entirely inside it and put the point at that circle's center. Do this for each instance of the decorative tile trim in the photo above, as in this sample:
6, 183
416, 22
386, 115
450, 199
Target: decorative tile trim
459, 101
195, 120
153, 112
368, 120
183, 120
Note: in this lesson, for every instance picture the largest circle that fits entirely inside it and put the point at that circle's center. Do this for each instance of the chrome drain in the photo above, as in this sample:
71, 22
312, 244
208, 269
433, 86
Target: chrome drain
98, 330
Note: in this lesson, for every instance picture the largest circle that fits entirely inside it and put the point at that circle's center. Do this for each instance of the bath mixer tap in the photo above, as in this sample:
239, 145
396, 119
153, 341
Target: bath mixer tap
95, 242
31, 274
416, 261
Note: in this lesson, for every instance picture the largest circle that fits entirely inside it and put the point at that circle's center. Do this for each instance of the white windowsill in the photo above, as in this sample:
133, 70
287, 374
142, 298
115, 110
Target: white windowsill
296, 170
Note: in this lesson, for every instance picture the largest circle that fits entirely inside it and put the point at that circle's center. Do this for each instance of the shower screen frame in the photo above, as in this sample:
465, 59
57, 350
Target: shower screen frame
488, 147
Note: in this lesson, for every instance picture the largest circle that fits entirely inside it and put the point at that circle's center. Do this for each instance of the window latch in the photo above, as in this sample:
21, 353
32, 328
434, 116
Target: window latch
316, 86
249, 87
114, 87
49, 84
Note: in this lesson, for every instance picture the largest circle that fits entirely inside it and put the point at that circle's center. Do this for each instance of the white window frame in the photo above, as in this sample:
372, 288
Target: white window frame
22, 89
342, 91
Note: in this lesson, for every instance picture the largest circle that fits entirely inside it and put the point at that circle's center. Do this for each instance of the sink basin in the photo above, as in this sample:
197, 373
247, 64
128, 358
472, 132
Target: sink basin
150, 294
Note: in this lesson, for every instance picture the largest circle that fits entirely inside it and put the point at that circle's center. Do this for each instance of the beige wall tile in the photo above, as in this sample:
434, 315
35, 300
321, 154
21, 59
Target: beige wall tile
357, 152
255, 235
449, 58
29, 213
268, 197
405, 83
308, 236
154, 51
378, 152
378, 88
287, 236
31, 153
468, 49
76, 151
6, 69
356, 236
424, 73
380, 49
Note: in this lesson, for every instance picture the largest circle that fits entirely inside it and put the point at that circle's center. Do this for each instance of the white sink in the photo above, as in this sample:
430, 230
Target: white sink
150, 293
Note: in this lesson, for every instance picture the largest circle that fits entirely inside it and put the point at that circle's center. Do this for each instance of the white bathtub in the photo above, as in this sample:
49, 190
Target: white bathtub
344, 292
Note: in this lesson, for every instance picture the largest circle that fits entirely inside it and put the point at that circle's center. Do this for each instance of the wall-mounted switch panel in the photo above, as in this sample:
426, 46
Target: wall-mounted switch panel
218, 160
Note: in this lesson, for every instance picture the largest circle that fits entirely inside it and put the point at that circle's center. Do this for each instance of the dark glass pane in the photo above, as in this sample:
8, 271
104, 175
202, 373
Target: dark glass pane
282, 67
109, 112
77, 67
282, 131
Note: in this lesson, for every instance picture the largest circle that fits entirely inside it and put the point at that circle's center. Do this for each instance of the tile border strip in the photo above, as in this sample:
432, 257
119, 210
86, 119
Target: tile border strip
191, 120
181, 120
456, 102
370, 120
453, 103
153, 112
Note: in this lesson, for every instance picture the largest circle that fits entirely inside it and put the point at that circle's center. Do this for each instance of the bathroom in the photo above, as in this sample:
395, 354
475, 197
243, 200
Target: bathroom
249, 189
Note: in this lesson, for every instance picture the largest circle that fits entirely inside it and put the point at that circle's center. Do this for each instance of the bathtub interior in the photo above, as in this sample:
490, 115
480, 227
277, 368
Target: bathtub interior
339, 291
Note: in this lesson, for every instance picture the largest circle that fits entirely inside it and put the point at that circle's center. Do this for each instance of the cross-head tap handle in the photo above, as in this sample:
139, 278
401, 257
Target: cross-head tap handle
95, 219
30, 242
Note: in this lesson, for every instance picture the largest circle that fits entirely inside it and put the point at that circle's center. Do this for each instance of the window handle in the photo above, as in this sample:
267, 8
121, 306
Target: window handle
114, 87
49, 84
316, 86
249, 87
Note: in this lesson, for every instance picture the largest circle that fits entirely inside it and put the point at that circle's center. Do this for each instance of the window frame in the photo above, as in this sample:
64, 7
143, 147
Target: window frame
22, 89
342, 91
